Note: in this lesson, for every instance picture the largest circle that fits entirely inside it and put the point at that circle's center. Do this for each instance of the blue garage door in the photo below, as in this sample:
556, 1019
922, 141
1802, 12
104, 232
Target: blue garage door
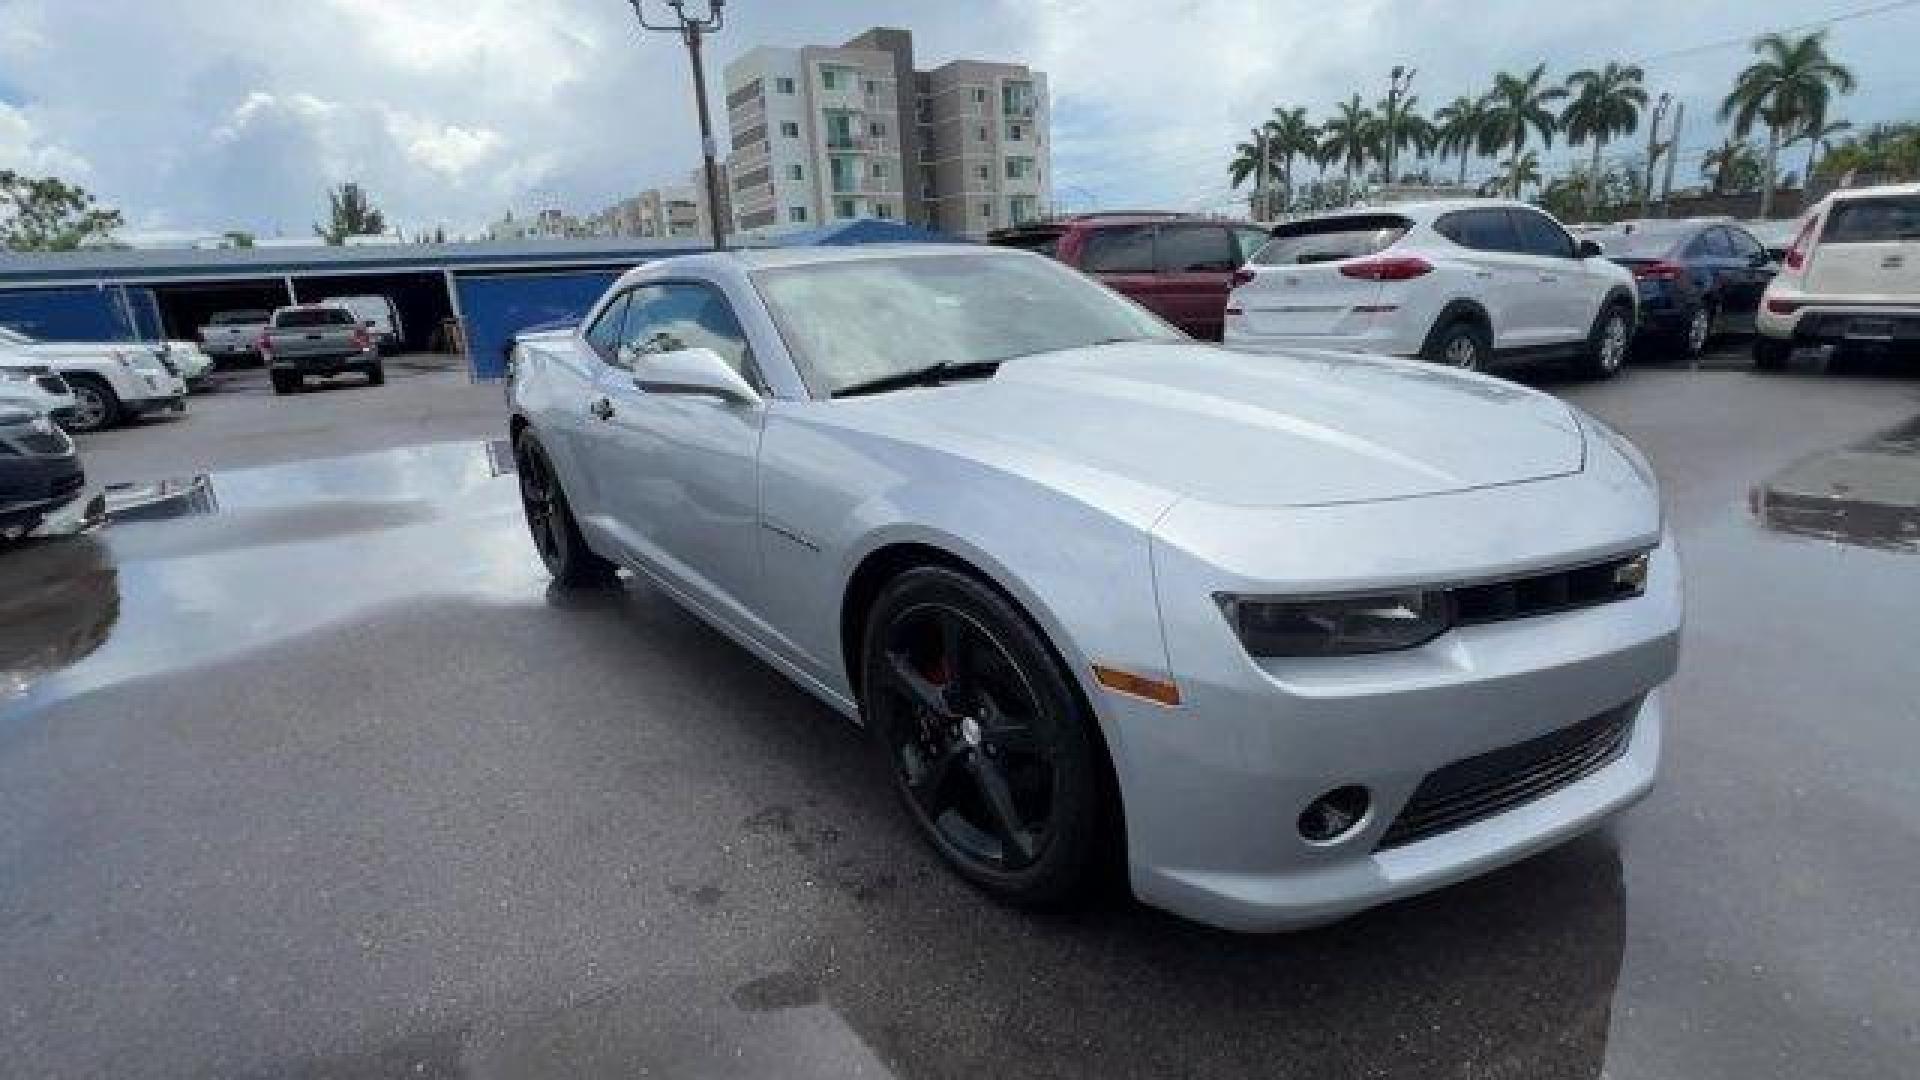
82, 313
493, 309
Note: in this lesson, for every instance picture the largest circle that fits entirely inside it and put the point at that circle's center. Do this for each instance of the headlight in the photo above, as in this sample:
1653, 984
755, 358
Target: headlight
1339, 626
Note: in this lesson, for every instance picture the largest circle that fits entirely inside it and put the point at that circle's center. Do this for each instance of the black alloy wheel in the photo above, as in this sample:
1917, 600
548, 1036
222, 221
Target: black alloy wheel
555, 533
987, 745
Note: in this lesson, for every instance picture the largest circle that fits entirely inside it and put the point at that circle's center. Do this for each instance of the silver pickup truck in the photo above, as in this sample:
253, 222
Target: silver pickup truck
318, 339
234, 333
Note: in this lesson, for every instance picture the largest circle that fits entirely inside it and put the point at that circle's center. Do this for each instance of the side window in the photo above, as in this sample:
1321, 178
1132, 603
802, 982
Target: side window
1125, 249
1249, 241
1744, 245
1481, 230
1540, 236
604, 334
685, 315
1194, 249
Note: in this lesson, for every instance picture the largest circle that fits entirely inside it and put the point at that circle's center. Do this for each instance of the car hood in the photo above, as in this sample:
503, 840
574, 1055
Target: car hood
1200, 422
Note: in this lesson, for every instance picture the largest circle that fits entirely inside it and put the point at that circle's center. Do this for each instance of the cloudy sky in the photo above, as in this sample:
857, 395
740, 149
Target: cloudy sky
204, 115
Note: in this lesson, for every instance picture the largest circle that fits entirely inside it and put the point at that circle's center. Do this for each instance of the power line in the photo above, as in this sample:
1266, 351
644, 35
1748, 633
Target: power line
1845, 16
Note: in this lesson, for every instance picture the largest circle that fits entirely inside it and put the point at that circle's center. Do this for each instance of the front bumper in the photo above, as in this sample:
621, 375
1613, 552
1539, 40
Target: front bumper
32, 488
172, 402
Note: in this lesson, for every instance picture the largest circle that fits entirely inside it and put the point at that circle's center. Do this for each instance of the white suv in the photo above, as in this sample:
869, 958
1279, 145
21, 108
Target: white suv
110, 381
1466, 282
1852, 276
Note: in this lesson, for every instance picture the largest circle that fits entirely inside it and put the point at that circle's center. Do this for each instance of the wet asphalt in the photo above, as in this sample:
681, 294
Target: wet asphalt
309, 773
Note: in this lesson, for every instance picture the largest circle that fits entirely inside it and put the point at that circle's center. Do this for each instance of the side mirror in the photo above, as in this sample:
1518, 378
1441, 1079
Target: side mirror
1760, 260
692, 372
1590, 250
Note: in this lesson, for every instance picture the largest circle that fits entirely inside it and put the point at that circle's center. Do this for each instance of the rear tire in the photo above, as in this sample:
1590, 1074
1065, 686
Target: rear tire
1609, 343
1771, 354
377, 375
1699, 331
95, 406
556, 535
284, 383
1459, 344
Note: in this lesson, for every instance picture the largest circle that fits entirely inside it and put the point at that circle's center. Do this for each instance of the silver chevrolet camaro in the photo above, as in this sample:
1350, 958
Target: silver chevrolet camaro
1287, 636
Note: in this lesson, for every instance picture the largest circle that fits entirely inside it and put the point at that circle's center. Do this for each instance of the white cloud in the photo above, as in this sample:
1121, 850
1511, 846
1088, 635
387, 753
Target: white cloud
23, 150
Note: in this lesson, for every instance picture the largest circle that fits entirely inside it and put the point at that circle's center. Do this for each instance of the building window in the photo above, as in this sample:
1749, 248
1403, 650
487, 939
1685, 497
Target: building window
986, 209
784, 86
845, 208
979, 95
882, 210
789, 129
981, 133
877, 129
984, 173
879, 170
1015, 132
797, 214
872, 87
830, 78
1019, 168
796, 172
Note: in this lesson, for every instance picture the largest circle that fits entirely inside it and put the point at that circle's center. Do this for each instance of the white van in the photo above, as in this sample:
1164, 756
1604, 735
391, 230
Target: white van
378, 314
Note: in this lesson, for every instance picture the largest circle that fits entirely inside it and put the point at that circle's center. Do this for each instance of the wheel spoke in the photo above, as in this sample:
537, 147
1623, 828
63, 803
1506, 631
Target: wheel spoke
918, 687
1003, 816
930, 784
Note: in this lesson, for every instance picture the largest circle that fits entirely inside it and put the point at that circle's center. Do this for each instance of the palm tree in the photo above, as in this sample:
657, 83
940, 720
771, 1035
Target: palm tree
1515, 105
1401, 127
1348, 138
1819, 136
1604, 103
1289, 136
1788, 88
1520, 171
1462, 127
1246, 162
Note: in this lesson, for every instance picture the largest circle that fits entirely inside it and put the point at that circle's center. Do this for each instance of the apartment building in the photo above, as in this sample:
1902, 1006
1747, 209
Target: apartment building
677, 211
821, 134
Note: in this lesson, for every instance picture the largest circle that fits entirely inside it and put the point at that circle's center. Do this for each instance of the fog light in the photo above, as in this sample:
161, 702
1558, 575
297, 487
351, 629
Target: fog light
1333, 815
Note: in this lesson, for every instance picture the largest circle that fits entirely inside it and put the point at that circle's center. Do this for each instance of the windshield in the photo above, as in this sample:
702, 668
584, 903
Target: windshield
229, 318
1637, 244
13, 337
864, 319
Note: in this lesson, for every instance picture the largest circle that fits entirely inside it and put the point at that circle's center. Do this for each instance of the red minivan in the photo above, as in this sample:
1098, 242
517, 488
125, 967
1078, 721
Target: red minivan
1179, 265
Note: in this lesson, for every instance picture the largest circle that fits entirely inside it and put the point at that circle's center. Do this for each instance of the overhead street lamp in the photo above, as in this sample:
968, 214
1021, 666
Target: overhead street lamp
691, 30
1402, 81
1653, 150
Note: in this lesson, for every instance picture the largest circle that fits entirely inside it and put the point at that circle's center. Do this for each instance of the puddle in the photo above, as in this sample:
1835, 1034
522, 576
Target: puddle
195, 569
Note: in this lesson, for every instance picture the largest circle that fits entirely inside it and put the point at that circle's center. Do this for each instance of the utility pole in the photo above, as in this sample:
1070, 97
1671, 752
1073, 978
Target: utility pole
1260, 174
1402, 80
1673, 155
691, 31
1653, 151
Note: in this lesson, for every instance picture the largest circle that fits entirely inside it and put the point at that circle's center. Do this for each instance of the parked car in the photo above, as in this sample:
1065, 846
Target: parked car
1774, 234
40, 471
1851, 278
1178, 266
111, 381
323, 340
1471, 283
234, 334
1695, 278
1298, 634
379, 315
23, 379
192, 365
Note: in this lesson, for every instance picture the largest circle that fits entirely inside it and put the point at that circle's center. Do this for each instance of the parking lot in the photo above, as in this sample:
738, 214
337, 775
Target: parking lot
310, 773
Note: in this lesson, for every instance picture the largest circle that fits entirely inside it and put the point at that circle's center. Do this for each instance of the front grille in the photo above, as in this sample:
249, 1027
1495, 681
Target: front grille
1492, 783
52, 384
1544, 594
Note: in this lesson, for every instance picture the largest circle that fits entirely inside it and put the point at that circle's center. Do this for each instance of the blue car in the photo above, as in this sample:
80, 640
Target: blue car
1696, 278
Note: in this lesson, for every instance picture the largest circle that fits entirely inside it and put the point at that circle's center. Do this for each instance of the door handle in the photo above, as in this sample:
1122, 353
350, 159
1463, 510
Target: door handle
1549, 277
1483, 273
602, 409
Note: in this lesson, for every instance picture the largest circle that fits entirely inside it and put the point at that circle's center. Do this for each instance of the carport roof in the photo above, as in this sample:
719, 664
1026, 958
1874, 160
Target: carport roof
158, 265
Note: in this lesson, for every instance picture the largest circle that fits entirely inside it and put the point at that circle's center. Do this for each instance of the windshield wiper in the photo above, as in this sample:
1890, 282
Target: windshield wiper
931, 375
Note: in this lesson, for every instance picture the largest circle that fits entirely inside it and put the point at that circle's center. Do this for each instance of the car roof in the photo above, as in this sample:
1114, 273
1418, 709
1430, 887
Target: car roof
1419, 210
768, 258
1879, 191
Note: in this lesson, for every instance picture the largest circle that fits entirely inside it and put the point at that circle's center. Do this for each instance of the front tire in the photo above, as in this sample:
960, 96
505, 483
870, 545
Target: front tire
1699, 331
1771, 354
1460, 344
989, 747
95, 406
377, 375
1612, 338
556, 535
285, 382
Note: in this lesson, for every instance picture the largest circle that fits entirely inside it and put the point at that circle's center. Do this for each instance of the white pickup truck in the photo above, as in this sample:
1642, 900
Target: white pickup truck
234, 333
111, 381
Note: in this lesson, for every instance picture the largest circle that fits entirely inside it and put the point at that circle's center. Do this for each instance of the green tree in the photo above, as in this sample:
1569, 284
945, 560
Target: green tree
350, 213
1820, 137
1247, 164
236, 238
1290, 136
1604, 103
1401, 127
1462, 126
1733, 167
1519, 173
1348, 138
1887, 152
45, 213
1788, 88
1516, 106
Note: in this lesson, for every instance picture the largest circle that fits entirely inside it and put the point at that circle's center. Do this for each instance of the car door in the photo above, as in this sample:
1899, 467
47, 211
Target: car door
1751, 273
570, 386
1121, 256
1566, 291
1505, 282
678, 472
1194, 263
